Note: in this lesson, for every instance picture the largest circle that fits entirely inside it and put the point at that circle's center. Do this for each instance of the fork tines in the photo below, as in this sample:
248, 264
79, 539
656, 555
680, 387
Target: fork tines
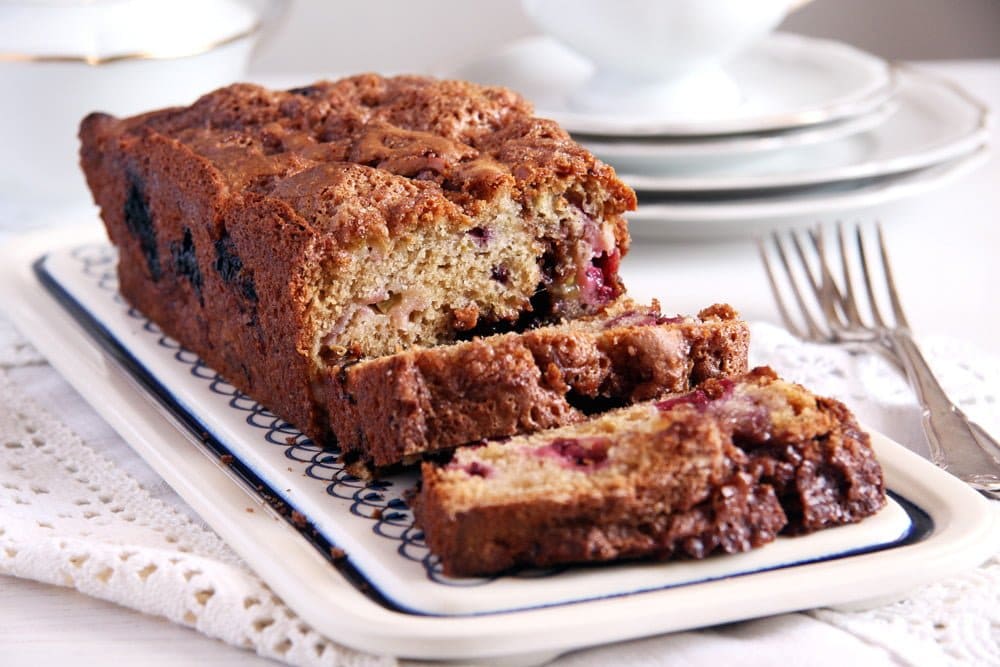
818, 281
833, 310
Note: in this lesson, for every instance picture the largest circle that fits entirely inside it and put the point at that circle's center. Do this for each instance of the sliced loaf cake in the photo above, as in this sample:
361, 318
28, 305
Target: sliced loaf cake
724, 468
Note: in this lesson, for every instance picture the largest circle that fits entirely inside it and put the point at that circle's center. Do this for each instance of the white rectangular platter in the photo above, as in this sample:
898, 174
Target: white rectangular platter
389, 596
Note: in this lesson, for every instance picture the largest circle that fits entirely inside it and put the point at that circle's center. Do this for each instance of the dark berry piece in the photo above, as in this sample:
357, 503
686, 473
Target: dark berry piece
600, 279
584, 452
477, 469
482, 235
230, 267
696, 398
140, 223
227, 262
248, 289
186, 262
501, 274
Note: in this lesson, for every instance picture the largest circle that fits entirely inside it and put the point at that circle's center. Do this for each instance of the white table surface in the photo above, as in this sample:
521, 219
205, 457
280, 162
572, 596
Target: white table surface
945, 248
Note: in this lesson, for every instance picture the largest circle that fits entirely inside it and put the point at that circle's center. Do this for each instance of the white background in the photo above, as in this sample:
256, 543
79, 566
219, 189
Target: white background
945, 246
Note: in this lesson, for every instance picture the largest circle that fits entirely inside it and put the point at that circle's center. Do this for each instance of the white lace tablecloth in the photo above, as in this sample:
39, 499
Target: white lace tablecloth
80, 509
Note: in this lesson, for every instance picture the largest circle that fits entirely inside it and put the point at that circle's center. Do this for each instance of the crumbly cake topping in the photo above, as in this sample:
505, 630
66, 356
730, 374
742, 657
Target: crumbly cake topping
445, 143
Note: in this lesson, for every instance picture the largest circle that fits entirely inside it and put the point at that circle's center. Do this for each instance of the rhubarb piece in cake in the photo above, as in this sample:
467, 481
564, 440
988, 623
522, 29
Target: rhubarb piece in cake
278, 233
724, 468
397, 408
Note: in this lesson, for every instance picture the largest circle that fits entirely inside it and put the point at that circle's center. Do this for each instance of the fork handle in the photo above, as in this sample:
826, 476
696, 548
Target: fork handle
957, 444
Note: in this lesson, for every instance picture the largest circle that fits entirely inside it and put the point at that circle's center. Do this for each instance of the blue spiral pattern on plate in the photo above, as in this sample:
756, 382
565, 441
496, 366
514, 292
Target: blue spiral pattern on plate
379, 501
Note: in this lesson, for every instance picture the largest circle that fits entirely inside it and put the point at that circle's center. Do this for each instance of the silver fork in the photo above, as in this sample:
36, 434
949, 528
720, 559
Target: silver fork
831, 312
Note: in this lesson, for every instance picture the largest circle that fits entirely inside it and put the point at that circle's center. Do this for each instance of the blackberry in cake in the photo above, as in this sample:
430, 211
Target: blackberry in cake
722, 469
282, 233
397, 408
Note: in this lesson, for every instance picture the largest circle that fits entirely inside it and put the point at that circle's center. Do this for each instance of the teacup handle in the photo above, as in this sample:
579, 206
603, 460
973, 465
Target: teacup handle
271, 18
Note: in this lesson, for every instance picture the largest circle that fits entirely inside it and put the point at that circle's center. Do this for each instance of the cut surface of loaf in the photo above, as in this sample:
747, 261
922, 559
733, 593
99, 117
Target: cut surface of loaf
396, 408
278, 232
724, 468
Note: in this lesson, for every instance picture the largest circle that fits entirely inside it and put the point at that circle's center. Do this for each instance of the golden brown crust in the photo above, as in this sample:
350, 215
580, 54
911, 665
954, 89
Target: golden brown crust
467, 141
724, 468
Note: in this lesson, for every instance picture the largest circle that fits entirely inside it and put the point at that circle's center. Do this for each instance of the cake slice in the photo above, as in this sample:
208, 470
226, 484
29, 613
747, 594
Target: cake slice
280, 233
396, 408
724, 468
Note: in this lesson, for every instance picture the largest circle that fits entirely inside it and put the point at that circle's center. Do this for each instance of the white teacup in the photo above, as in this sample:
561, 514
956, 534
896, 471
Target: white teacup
60, 60
657, 56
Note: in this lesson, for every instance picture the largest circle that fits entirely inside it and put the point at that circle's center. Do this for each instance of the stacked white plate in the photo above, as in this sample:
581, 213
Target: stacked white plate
823, 129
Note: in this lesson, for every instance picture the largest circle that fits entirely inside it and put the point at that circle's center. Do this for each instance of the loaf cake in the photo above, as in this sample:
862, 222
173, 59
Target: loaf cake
279, 234
724, 468
396, 408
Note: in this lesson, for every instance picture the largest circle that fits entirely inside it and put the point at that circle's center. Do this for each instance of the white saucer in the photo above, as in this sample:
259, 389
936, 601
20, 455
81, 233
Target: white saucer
747, 217
787, 80
669, 155
934, 121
